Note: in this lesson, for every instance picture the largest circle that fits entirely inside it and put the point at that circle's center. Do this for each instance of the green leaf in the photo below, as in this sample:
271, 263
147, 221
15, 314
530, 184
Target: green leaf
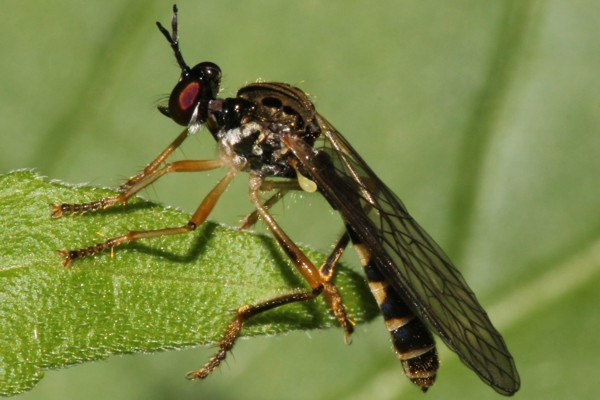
162, 294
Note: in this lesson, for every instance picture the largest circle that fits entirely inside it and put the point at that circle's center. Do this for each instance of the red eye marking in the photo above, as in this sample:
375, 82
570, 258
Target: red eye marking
187, 97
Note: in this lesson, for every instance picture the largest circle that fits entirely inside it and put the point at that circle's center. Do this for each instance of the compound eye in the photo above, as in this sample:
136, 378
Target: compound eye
184, 99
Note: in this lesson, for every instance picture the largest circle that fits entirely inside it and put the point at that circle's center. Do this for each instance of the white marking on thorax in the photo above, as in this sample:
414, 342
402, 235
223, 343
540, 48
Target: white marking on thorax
229, 139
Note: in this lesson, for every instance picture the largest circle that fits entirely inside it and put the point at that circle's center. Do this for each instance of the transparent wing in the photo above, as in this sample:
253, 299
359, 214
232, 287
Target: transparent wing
413, 263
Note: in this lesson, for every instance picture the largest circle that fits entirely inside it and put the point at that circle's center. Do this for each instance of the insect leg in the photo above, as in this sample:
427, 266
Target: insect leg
247, 311
154, 164
235, 327
197, 219
134, 184
327, 269
251, 219
413, 342
304, 266
282, 188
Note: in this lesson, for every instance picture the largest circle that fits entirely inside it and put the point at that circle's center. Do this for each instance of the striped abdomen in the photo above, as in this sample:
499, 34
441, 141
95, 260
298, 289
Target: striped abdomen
413, 342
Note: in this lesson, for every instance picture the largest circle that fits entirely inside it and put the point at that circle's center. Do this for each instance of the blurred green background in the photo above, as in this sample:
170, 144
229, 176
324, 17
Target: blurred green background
482, 116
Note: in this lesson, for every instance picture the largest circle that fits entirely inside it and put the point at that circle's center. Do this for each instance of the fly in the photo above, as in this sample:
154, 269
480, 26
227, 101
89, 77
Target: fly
272, 132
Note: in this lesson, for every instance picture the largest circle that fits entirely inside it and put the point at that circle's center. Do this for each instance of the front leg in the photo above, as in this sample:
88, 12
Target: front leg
136, 183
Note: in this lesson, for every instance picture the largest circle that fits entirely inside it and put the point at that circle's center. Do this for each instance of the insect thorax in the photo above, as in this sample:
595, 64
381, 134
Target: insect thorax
276, 110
